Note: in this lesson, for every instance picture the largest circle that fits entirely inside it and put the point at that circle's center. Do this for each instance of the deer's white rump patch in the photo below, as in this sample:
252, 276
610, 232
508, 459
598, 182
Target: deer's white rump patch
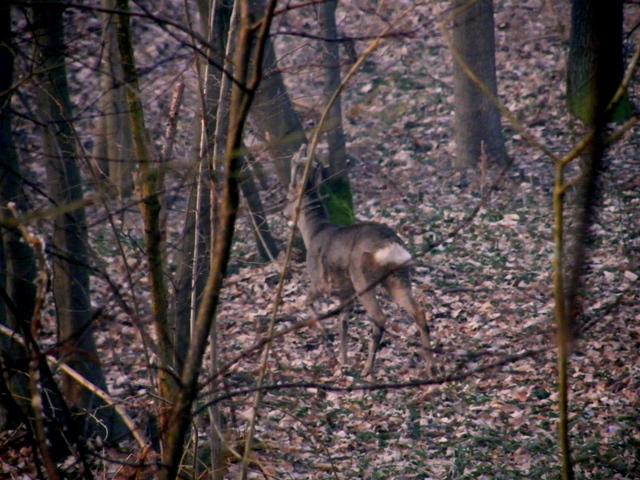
392, 254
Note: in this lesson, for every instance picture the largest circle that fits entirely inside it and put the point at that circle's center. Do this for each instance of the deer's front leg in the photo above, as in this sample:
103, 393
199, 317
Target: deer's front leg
347, 305
312, 297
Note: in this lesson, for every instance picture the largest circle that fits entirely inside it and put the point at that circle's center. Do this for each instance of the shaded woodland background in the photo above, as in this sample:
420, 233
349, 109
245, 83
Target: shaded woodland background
492, 412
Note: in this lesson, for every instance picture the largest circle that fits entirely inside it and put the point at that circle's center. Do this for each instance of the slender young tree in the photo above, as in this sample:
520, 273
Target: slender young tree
193, 266
241, 97
150, 190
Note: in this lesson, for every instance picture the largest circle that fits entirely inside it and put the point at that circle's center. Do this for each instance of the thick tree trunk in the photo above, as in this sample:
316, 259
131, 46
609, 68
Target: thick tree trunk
113, 149
17, 303
595, 26
69, 243
330, 56
477, 120
19, 269
337, 189
17, 264
272, 115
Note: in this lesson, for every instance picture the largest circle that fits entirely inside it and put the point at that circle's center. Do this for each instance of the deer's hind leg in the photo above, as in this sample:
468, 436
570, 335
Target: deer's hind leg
398, 285
370, 303
365, 277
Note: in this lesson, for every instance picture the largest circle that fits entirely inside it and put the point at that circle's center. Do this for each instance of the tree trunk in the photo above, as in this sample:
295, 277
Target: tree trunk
17, 264
150, 190
193, 266
267, 246
113, 149
17, 306
272, 115
595, 25
69, 241
337, 189
477, 120
241, 100
230, 18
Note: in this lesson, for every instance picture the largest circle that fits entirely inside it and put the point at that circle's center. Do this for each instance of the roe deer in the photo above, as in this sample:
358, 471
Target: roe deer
348, 260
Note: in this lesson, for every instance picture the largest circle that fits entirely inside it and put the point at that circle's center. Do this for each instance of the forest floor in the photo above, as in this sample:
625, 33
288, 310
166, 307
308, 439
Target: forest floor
492, 411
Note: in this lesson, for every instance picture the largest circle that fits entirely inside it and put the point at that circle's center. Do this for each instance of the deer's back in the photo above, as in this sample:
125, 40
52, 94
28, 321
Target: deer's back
339, 255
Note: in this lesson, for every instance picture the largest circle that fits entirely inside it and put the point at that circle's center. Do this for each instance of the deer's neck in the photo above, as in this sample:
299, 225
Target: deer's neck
312, 220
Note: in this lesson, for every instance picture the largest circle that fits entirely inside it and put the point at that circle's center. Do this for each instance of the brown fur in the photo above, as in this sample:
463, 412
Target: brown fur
341, 261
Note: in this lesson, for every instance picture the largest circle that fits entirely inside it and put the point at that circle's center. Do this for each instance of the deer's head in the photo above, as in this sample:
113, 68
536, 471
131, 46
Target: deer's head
309, 189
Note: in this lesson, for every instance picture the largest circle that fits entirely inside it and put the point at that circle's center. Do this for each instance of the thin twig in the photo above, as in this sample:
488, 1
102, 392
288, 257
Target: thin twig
332, 387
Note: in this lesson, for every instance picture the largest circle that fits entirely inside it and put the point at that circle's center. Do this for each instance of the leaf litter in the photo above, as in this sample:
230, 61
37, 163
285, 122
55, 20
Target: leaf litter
487, 290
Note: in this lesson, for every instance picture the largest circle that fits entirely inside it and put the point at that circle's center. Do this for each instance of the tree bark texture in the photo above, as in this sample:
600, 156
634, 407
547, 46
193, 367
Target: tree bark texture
113, 149
272, 115
69, 244
477, 120
17, 264
339, 201
150, 186
596, 26
267, 246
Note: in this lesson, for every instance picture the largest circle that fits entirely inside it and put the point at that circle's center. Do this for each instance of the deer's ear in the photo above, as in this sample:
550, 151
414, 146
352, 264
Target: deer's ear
296, 171
298, 160
316, 176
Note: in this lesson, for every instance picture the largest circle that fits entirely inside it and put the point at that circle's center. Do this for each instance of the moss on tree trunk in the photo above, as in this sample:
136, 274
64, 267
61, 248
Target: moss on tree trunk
338, 200
595, 26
